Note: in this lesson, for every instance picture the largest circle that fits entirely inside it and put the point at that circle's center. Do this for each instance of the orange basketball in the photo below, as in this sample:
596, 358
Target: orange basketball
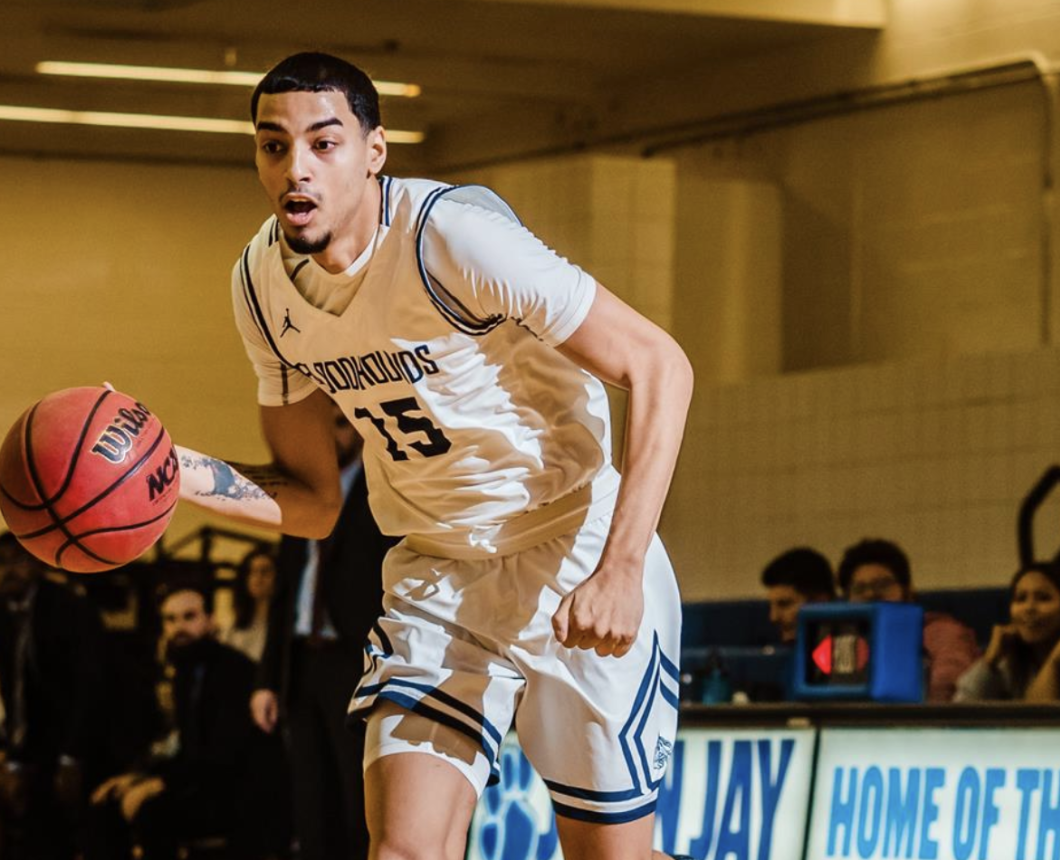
88, 479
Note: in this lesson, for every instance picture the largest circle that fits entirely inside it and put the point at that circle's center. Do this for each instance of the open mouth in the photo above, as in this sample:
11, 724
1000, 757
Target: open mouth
299, 210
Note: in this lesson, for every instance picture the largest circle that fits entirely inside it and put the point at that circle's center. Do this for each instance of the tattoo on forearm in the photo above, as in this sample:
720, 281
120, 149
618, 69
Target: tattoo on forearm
235, 481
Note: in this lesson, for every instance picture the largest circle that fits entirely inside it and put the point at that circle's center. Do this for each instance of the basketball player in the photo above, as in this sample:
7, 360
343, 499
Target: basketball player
530, 586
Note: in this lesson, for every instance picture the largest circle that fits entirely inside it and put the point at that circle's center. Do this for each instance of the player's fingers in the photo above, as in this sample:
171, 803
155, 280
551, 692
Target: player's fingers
561, 620
108, 386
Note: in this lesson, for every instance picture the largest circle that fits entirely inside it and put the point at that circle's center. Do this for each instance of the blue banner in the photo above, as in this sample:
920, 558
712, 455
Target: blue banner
728, 795
937, 794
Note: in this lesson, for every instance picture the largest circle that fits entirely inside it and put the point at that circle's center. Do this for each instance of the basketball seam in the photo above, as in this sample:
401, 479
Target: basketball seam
28, 446
61, 524
75, 539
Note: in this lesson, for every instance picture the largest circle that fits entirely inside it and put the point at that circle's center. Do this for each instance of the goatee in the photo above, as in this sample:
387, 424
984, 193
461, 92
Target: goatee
301, 245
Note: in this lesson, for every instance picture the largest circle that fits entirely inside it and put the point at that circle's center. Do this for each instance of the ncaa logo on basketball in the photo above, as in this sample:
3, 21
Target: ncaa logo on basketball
115, 442
163, 477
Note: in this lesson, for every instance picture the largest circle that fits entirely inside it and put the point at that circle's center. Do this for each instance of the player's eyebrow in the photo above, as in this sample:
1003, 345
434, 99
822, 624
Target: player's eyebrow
265, 125
324, 123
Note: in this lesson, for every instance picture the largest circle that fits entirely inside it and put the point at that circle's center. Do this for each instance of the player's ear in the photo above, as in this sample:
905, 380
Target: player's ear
376, 141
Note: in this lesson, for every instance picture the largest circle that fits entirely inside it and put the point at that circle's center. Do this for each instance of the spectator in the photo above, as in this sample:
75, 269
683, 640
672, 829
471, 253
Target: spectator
252, 597
878, 570
798, 576
224, 767
54, 726
1023, 657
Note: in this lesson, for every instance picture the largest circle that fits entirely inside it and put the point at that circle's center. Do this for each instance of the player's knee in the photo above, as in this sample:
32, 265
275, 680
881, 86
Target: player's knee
403, 846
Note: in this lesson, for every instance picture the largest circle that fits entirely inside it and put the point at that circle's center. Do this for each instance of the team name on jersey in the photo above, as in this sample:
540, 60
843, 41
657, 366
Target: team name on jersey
359, 372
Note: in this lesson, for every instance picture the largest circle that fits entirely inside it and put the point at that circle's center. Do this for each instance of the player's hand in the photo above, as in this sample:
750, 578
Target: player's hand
602, 614
1002, 638
265, 709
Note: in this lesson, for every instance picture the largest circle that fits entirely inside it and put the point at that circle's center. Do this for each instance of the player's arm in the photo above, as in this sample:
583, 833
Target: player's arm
297, 494
623, 348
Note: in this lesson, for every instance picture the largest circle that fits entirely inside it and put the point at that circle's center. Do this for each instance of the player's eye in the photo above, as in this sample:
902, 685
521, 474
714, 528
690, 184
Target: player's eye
272, 147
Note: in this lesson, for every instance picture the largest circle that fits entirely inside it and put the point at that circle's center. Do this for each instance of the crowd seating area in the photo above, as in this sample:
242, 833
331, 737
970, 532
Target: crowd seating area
738, 636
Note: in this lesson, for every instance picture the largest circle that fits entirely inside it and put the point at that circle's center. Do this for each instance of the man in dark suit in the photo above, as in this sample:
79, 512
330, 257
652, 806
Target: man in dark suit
329, 594
53, 731
219, 781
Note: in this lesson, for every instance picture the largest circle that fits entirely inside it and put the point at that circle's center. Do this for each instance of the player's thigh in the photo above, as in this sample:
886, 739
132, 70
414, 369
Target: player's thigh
619, 714
589, 840
418, 806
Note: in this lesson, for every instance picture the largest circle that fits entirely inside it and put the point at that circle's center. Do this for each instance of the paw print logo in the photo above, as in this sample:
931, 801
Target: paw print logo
509, 828
663, 750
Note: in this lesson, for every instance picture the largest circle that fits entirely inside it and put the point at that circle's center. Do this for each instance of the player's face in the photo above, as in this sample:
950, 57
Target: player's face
184, 619
1036, 609
318, 169
784, 603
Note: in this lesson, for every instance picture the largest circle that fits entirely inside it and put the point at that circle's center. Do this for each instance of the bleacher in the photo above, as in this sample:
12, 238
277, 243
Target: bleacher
737, 635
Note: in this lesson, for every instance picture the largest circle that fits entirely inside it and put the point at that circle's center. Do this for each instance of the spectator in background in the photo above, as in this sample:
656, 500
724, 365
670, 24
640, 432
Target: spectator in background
1023, 657
54, 726
878, 570
795, 577
252, 598
224, 771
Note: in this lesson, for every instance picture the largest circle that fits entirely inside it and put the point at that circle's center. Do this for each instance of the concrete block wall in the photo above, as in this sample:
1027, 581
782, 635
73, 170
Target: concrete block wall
934, 456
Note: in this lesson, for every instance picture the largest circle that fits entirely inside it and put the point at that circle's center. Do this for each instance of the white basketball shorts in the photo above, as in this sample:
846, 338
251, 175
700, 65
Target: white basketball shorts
468, 644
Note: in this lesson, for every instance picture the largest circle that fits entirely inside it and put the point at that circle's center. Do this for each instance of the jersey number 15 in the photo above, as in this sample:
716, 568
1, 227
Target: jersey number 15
411, 423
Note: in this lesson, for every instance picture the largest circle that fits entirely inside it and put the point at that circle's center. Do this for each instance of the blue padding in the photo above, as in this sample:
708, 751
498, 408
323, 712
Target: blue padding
726, 622
745, 623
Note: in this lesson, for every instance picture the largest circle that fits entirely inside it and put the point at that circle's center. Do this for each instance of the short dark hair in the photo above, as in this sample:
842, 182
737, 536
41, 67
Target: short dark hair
874, 551
804, 569
314, 72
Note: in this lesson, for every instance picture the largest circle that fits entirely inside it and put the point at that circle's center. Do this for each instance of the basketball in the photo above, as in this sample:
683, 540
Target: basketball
89, 479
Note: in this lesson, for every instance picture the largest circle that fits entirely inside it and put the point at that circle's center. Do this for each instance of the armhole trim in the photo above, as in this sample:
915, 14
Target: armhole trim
450, 307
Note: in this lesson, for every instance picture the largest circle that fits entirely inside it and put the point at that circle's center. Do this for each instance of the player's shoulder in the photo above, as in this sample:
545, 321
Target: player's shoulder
267, 237
417, 201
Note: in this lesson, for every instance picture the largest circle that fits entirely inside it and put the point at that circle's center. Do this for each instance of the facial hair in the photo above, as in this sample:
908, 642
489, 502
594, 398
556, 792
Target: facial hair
186, 651
302, 245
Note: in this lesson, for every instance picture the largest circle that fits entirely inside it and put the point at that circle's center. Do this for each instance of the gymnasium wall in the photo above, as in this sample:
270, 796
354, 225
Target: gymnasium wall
120, 273
917, 399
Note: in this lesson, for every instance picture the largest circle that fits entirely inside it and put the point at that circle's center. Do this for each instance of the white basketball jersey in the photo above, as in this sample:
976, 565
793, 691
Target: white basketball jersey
444, 360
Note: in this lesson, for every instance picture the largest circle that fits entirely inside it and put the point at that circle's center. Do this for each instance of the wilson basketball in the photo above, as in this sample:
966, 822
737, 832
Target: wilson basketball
88, 479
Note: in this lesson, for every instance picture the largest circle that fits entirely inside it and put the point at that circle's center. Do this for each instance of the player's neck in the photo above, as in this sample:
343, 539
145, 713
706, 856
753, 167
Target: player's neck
348, 245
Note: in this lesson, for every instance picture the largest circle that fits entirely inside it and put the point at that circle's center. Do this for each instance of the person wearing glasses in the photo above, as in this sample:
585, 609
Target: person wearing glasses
878, 570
